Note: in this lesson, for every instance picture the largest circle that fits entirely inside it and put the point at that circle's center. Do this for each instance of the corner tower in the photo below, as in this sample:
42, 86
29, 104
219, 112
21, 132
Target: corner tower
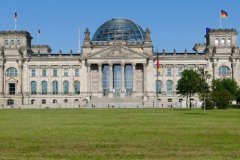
221, 41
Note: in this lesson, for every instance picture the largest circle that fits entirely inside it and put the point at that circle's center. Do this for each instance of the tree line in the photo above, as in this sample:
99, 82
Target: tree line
220, 95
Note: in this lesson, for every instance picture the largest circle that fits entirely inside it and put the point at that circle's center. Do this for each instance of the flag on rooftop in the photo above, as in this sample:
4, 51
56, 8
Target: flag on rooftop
15, 15
207, 29
224, 14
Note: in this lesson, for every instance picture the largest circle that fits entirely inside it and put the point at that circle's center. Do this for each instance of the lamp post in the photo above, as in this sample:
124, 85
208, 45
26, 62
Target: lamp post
205, 76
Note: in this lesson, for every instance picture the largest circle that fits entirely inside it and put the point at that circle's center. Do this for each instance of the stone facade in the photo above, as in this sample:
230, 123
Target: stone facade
32, 76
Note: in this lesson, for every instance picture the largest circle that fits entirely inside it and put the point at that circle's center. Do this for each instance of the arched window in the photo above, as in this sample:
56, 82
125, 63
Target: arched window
12, 42
54, 101
229, 41
12, 72
216, 42
222, 41
18, 42
66, 87
44, 87
224, 71
169, 87
33, 87
6, 42
76, 87
10, 102
158, 87
55, 87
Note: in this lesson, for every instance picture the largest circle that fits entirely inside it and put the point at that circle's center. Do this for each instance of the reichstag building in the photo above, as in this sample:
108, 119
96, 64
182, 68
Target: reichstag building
116, 68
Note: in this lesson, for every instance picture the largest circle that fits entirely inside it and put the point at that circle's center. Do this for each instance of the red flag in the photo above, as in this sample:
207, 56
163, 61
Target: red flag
158, 65
224, 14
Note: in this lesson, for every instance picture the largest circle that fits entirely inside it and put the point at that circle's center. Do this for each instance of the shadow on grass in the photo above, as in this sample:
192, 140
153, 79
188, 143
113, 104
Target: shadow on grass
194, 113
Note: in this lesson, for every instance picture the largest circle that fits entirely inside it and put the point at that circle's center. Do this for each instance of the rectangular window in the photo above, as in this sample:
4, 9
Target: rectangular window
76, 72
169, 71
33, 74
180, 70
44, 72
65, 72
32, 101
43, 101
55, 72
12, 88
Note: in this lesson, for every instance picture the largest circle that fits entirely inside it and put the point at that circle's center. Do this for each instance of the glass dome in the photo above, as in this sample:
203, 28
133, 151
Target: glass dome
119, 29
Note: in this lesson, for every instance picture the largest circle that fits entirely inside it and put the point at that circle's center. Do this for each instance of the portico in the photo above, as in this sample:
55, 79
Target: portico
116, 79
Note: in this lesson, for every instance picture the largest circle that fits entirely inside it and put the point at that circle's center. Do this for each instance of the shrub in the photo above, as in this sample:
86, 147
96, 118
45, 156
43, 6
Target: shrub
234, 106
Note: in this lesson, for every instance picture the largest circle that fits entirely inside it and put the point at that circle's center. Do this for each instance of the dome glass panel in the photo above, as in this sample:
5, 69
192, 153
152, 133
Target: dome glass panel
119, 29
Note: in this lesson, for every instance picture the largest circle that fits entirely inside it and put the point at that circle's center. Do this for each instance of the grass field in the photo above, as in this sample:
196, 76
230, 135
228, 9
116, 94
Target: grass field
119, 134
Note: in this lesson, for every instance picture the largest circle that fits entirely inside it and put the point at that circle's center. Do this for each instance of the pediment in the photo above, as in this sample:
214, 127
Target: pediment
117, 52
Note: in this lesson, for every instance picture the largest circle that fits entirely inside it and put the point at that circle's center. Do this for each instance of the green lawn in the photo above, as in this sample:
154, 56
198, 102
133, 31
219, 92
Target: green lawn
119, 134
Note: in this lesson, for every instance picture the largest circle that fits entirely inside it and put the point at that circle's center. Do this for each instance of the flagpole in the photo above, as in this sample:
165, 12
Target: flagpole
38, 37
79, 41
157, 77
15, 20
15, 25
220, 20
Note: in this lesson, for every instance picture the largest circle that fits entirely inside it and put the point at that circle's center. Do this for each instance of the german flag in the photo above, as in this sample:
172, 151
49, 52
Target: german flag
224, 14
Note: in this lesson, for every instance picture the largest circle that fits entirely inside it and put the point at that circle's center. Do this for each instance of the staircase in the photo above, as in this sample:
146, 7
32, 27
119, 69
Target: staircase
116, 102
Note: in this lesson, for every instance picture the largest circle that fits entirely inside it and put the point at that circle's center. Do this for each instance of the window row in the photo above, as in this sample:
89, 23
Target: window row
44, 101
169, 72
12, 42
222, 41
55, 87
169, 87
55, 72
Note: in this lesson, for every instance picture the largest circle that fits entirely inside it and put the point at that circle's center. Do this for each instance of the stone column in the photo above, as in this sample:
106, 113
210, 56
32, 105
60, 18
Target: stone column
72, 80
89, 79
134, 78
1, 79
38, 74
60, 80
50, 80
174, 79
145, 80
234, 71
100, 89
19, 84
164, 82
111, 80
214, 70
123, 79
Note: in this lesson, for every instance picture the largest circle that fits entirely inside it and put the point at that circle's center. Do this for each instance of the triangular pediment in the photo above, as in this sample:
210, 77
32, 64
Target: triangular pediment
117, 52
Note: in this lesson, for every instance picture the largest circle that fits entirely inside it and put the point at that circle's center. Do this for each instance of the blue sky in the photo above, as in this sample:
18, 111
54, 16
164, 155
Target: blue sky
174, 24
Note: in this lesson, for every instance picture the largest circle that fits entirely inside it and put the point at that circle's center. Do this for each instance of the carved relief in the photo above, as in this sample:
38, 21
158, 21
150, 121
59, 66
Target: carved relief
117, 52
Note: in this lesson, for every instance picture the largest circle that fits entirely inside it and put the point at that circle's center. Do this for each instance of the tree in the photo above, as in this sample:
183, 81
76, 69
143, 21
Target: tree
205, 95
238, 96
190, 83
224, 91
